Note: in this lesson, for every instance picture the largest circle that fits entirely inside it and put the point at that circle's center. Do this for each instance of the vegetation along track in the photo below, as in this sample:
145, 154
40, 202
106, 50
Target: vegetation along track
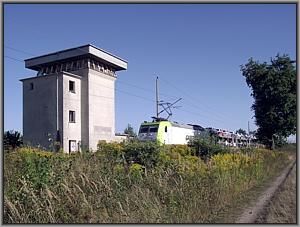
252, 214
135, 182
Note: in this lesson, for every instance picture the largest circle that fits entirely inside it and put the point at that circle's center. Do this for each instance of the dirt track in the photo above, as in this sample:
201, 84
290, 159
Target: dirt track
251, 214
282, 209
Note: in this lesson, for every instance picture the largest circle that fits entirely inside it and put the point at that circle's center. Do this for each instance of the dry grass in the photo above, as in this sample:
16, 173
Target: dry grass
283, 207
91, 188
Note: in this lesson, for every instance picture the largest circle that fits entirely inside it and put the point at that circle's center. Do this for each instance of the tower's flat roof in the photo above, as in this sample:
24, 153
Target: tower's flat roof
89, 50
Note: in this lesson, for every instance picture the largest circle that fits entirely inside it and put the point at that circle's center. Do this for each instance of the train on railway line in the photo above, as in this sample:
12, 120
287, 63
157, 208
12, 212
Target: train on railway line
168, 132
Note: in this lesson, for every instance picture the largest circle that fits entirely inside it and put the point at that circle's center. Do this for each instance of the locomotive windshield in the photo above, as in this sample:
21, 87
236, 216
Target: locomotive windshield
148, 129
144, 129
153, 129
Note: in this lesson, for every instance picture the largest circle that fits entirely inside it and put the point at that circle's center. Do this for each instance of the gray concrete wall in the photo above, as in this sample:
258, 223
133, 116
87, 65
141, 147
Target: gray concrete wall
84, 107
39, 111
60, 108
84, 110
71, 101
101, 102
93, 103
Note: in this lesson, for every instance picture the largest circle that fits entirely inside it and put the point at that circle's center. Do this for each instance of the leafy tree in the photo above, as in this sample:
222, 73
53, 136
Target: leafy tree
254, 132
241, 131
274, 90
130, 131
12, 139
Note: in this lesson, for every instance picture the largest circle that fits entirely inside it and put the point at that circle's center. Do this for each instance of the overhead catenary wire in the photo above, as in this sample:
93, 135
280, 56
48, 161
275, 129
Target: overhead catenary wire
15, 59
19, 50
145, 89
149, 100
217, 117
189, 104
200, 115
153, 101
192, 97
187, 94
220, 117
125, 92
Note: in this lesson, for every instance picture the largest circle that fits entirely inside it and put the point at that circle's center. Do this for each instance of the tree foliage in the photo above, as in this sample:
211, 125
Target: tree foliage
274, 89
241, 131
130, 131
12, 139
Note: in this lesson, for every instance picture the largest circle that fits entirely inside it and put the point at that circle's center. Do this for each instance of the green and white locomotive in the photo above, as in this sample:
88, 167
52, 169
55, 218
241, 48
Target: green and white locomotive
167, 132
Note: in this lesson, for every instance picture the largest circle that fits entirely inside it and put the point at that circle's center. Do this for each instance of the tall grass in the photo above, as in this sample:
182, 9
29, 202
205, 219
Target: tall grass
130, 183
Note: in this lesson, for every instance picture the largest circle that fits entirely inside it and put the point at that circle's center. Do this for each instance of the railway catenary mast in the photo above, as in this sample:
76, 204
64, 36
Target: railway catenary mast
165, 131
157, 99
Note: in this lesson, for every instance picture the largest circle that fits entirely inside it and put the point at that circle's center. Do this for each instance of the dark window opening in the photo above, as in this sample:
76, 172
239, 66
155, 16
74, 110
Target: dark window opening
71, 86
144, 129
72, 116
166, 128
153, 129
31, 86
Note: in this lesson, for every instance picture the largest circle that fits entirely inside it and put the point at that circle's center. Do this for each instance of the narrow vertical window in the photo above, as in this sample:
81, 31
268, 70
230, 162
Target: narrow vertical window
72, 116
71, 86
31, 86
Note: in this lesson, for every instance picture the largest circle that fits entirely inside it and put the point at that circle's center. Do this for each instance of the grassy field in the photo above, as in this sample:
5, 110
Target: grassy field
132, 183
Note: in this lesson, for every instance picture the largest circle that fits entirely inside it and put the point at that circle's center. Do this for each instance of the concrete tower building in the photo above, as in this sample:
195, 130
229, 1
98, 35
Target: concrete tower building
72, 98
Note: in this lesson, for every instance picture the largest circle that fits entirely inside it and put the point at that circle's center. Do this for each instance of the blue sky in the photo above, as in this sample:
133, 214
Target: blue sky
195, 49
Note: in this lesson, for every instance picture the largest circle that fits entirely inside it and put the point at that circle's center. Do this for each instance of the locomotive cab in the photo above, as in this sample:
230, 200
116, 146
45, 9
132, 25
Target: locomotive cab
165, 132
148, 132
155, 131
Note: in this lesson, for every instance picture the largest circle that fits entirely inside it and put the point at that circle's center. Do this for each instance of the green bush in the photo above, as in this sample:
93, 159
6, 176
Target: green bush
37, 167
144, 153
113, 148
183, 150
205, 148
136, 170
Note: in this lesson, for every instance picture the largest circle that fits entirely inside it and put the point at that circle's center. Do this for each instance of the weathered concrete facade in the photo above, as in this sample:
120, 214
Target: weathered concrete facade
72, 100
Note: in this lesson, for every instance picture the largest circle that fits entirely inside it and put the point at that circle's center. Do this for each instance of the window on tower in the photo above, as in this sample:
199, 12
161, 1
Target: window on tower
31, 86
72, 116
72, 86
